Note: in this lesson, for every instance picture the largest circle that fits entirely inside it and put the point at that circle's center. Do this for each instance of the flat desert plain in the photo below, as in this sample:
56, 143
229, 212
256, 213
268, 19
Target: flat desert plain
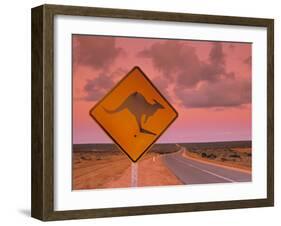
98, 166
239, 156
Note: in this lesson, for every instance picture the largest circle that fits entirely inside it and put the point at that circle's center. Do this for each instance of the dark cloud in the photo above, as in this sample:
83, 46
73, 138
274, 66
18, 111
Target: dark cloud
96, 88
224, 93
180, 62
95, 51
216, 55
248, 61
162, 84
197, 83
168, 57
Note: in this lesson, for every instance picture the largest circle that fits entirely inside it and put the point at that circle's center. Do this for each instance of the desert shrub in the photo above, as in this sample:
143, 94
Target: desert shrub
193, 150
223, 159
235, 155
212, 156
203, 155
85, 157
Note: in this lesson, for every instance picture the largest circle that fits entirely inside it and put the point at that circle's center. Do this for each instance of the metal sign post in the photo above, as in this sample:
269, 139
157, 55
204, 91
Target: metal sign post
134, 174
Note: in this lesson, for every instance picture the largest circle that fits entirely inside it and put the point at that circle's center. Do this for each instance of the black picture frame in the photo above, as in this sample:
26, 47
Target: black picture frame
42, 203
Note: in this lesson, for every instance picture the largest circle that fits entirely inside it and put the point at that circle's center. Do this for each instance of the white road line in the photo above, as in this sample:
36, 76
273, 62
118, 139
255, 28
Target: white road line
206, 171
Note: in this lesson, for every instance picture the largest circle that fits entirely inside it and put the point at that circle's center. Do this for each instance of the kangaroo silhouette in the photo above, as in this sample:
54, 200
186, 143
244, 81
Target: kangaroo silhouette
137, 105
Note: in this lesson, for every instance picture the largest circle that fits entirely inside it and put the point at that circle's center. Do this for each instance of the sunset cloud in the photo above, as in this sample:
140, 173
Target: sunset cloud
198, 83
97, 87
180, 62
220, 94
95, 51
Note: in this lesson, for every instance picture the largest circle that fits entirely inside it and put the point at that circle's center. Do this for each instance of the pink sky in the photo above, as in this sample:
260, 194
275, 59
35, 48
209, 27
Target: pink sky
209, 83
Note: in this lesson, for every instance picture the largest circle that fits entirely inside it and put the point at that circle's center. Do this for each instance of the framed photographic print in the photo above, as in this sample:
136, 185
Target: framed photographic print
141, 112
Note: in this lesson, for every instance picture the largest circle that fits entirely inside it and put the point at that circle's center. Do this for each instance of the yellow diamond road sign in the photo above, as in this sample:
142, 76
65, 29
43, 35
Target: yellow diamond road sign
134, 114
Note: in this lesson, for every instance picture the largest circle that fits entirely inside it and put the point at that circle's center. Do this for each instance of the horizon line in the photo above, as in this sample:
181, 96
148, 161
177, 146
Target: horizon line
180, 142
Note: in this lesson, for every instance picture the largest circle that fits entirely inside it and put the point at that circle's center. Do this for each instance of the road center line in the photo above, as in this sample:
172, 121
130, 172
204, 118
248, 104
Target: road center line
206, 171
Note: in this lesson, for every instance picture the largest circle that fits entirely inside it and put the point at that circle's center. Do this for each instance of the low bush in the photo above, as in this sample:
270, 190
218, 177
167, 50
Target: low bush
212, 156
203, 155
235, 155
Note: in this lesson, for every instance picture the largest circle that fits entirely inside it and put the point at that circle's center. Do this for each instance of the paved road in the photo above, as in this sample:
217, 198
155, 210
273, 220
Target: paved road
194, 172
